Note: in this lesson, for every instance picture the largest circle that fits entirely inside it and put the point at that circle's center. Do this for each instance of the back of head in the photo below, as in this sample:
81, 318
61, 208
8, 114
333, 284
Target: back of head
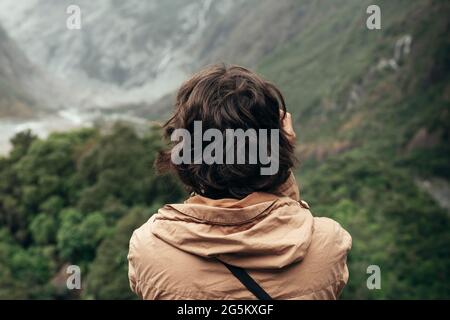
229, 98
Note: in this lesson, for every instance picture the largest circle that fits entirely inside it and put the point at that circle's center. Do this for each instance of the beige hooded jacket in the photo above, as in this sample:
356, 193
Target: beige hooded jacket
287, 251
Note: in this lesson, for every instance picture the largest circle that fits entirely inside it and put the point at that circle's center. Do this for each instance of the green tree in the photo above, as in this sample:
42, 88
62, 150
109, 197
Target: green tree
43, 229
111, 259
79, 235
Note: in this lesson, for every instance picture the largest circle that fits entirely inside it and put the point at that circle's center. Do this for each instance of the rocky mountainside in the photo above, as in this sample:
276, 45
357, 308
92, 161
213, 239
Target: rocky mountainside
125, 52
17, 76
135, 52
26, 90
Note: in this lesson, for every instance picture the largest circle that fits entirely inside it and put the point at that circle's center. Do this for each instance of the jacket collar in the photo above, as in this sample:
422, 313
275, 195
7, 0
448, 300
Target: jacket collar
226, 211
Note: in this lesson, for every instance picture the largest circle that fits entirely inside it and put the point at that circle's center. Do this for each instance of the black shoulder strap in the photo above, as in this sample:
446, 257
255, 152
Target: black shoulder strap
248, 282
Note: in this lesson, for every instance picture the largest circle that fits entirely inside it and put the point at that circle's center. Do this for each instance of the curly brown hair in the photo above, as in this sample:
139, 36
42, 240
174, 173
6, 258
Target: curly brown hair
223, 98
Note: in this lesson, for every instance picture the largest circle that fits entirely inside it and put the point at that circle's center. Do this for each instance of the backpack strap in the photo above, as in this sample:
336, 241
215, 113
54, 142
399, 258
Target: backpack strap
248, 282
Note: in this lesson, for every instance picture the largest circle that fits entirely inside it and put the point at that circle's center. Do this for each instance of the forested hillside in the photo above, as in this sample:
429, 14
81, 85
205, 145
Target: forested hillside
372, 115
371, 112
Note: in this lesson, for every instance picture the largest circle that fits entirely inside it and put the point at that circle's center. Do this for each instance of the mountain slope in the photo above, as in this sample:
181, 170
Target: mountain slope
147, 54
155, 45
372, 116
25, 89
15, 100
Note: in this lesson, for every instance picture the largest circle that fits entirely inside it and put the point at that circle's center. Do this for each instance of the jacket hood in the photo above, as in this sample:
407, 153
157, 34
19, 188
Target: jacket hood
261, 231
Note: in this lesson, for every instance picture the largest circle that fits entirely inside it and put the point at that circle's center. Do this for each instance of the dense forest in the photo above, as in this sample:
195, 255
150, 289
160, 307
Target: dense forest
371, 112
76, 198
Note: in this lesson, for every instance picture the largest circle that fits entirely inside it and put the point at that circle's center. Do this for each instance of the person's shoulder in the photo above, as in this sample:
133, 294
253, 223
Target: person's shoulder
147, 252
325, 264
151, 251
145, 249
163, 271
331, 237
142, 236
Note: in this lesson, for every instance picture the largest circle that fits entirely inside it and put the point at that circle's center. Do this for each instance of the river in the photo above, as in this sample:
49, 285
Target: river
42, 126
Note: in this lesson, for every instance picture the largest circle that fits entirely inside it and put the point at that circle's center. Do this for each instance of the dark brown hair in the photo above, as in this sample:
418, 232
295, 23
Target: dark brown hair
228, 98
